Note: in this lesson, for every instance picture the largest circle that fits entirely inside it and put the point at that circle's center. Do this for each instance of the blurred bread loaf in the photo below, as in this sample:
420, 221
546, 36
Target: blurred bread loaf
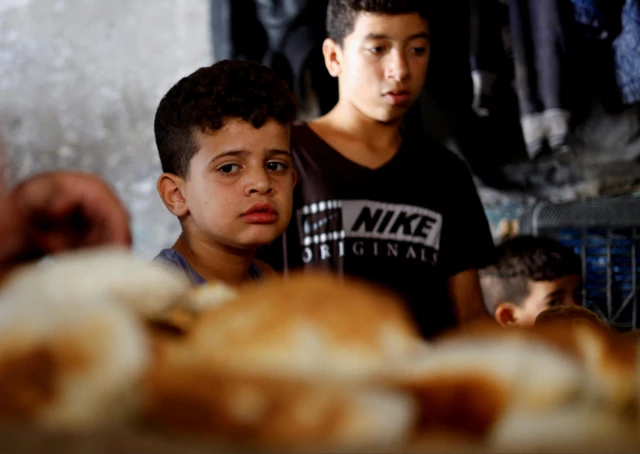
73, 347
312, 362
69, 366
113, 274
310, 325
279, 413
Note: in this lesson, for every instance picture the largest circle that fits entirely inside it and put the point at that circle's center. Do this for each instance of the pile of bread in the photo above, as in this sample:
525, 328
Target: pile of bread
102, 339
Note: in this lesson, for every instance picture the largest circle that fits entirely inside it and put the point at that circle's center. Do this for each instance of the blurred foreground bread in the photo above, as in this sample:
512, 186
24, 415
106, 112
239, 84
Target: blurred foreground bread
278, 413
110, 274
613, 360
314, 332
102, 338
609, 362
310, 325
289, 363
569, 314
72, 347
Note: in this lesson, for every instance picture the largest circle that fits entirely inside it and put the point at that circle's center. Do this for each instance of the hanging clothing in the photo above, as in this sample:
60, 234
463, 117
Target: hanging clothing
489, 51
285, 35
616, 22
626, 51
538, 32
591, 13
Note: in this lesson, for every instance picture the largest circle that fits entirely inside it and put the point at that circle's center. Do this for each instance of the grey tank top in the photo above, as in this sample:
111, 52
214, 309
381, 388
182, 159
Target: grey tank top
174, 258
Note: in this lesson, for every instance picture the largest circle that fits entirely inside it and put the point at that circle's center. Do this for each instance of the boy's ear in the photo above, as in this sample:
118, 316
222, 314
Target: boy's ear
171, 190
505, 315
332, 56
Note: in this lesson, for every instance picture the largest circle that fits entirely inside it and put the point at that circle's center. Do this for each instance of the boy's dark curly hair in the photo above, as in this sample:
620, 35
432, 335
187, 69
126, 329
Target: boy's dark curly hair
523, 259
341, 14
206, 99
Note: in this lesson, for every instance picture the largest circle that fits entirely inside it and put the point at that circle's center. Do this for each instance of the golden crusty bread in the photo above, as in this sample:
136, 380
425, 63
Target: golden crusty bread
571, 428
68, 366
609, 361
209, 296
72, 341
111, 273
572, 314
280, 413
611, 358
182, 315
466, 385
486, 391
310, 325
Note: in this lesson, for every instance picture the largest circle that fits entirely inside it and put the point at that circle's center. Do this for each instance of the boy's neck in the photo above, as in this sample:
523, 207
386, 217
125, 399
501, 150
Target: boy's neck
215, 262
377, 142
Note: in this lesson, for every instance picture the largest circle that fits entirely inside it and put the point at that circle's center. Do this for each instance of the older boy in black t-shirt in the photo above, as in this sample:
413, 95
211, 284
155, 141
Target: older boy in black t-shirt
372, 200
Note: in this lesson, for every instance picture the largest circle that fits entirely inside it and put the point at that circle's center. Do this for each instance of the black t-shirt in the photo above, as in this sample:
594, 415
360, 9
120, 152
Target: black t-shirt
408, 225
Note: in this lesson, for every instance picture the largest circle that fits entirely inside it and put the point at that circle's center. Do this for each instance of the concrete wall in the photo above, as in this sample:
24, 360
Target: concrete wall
79, 84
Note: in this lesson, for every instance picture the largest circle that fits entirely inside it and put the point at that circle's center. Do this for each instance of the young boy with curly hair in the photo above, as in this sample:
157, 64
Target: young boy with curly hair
223, 136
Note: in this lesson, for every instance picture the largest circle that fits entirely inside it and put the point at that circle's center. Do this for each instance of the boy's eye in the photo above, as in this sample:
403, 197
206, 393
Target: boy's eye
376, 50
229, 168
276, 166
419, 51
554, 303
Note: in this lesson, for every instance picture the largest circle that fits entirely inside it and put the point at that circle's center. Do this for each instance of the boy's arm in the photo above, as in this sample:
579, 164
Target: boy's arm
467, 245
466, 296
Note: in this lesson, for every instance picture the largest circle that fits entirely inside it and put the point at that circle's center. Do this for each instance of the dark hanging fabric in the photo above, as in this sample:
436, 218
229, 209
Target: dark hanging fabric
236, 31
447, 95
489, 51
285, 35
444, 111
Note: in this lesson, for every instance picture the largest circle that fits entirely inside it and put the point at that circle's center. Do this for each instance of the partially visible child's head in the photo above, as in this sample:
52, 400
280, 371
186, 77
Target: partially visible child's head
531, 275
379, 50
223, 138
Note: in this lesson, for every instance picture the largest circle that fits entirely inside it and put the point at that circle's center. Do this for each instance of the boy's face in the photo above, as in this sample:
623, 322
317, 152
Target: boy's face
240, 185
382, 64
566, 290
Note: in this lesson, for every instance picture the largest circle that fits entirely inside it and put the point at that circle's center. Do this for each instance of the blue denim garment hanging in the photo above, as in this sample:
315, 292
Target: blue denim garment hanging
626, 50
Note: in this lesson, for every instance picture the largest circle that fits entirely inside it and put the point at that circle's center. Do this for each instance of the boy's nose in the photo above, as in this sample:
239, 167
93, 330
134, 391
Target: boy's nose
398, 69
259, 183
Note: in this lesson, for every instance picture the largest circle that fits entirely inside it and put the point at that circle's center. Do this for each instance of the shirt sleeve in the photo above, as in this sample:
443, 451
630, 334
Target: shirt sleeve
466, 241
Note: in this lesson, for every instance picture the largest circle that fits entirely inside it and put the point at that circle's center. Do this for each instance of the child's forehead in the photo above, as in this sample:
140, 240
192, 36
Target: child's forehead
238, 129
407, 24
241, 135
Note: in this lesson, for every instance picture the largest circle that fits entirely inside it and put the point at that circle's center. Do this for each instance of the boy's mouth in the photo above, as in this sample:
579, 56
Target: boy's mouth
260, 213
397, 96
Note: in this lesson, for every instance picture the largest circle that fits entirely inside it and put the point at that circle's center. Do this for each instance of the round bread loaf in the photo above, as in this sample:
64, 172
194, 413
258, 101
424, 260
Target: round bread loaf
309, 325
66, 366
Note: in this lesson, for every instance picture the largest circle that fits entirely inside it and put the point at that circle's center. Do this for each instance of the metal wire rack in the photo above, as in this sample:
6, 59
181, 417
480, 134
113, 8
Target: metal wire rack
605, 232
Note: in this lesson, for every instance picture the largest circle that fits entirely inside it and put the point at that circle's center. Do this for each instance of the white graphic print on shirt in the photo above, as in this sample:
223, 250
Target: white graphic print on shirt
370, 229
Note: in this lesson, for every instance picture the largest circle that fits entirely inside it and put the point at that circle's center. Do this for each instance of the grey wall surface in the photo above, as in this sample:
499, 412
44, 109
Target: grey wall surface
79, 84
